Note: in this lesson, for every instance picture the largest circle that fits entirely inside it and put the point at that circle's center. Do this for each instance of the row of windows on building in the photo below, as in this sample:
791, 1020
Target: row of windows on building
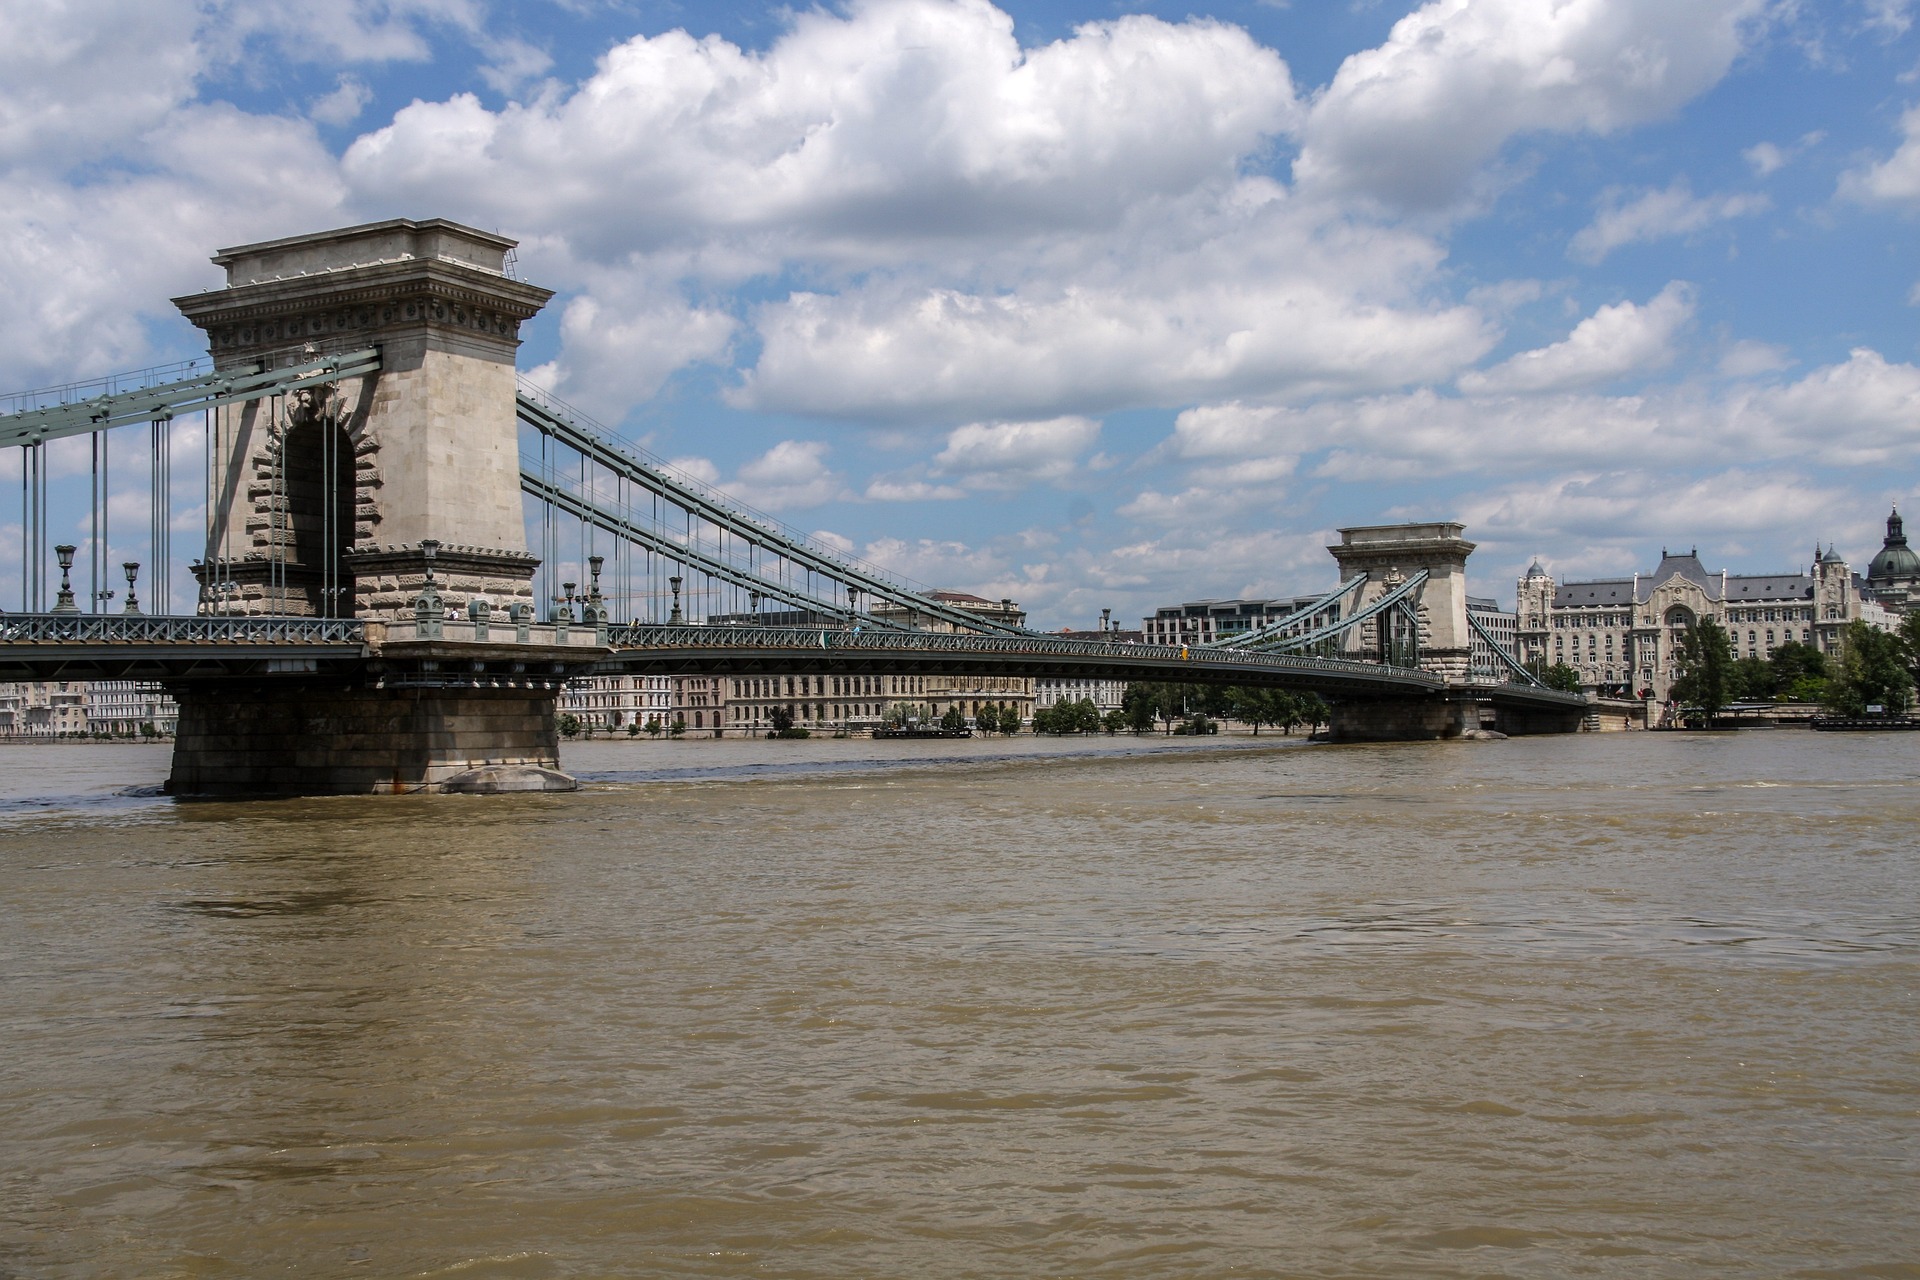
709, 702
85, 708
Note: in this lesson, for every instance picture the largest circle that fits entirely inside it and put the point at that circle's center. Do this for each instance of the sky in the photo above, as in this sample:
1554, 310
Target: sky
1088, 304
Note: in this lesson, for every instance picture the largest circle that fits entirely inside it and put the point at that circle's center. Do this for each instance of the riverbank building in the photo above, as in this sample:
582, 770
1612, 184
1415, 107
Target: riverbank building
1623, 634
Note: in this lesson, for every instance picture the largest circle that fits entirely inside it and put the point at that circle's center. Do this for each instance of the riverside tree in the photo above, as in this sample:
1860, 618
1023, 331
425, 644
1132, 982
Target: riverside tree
1137, 704
1562, 677
1754, 680
1263, 706
1314, 711
1705, 661
1800, 672
1873, 673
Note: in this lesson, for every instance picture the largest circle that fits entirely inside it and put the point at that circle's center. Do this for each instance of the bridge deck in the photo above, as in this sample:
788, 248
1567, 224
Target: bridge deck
134, 647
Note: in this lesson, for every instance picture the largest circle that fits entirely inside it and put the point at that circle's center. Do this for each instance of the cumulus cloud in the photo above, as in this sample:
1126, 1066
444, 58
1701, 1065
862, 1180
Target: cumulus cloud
1635, 505
75, 79
1895, 180
904, 120
1655, 215
1863, 412
1767, 158
994, 457
897, 489
1611, 343
621, 342
1012, 455
1411, 122
1263, 300
120, 181
890, 151
343, 104
992, 571
1747, 358
792, 474
1200, 505
87, 266
373, 31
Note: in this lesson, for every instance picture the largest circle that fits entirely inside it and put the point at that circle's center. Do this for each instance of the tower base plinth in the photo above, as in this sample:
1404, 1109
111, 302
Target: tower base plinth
276, 740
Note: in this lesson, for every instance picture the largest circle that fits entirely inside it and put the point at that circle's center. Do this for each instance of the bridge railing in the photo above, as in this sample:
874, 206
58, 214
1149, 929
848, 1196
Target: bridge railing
133, 628
496, 631
654, 636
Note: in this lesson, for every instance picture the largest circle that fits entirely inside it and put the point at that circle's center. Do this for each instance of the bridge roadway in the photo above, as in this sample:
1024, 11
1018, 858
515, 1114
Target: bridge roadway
454, 654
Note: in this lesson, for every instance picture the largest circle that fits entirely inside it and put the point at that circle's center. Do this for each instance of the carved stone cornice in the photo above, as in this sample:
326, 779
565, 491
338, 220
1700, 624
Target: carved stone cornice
366, 303
446, 560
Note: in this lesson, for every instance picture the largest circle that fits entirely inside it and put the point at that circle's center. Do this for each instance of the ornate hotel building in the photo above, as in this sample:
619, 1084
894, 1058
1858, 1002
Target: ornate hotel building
1623, 634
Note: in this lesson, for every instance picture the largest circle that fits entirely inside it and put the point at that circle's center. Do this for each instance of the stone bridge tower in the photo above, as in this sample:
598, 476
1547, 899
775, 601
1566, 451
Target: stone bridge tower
1388, 554
321, 498
391, 496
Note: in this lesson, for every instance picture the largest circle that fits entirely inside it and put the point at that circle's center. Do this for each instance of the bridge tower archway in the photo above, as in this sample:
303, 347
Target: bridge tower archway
322, 501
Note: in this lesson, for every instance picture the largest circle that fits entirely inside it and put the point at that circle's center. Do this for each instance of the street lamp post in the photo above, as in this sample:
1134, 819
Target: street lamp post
132, 569
63, 603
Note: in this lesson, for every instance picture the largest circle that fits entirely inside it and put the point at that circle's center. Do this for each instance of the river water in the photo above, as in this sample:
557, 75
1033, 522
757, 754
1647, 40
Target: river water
1618, 1005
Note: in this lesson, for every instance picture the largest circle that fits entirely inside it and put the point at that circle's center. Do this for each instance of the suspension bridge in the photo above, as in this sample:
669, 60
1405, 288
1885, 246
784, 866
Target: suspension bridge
400, 551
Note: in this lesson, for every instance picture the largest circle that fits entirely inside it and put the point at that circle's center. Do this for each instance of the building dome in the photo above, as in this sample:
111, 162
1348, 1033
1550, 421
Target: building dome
1895, 561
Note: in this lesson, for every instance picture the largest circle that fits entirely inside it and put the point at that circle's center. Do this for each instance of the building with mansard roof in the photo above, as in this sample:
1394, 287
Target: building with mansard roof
1623, 634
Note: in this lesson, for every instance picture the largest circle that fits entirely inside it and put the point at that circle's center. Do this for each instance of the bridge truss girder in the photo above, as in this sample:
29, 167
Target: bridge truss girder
185, 395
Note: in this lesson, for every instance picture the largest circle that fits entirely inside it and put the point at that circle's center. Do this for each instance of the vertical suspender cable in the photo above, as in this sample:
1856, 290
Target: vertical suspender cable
93, 538
106, 519
207, 428
329, 513
40, 525
26, 541
159, 553
542, 606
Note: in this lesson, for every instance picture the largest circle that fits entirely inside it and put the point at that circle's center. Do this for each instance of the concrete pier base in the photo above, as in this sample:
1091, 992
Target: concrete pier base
275, 740
1408, 720
1459, 712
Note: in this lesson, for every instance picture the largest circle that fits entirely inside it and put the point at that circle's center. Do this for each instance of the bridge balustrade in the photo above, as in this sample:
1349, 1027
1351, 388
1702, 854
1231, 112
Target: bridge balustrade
116, 628
653, 636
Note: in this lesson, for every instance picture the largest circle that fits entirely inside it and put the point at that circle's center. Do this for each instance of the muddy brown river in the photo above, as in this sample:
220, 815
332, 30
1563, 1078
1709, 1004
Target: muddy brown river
1610, 1005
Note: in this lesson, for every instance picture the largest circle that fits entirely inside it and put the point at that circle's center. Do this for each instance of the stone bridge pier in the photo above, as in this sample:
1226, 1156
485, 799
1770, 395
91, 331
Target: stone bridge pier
392, 497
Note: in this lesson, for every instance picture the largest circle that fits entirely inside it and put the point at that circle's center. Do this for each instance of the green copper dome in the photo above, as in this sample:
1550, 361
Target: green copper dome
1895, 559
